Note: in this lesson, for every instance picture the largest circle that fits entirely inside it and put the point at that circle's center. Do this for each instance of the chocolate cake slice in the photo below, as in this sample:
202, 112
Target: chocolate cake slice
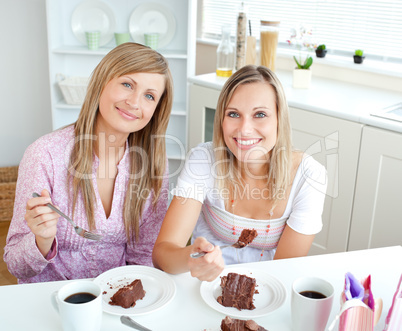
237, 291
127, 296
246, 237
231, 324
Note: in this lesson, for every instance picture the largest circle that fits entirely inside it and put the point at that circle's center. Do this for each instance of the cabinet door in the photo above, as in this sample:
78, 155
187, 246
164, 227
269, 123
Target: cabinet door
334, 143
377, 212
202, 99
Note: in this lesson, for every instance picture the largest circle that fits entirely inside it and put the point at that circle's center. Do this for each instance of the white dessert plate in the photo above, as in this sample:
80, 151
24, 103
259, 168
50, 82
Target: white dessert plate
271, 296
93, 15
152, 17
159, 287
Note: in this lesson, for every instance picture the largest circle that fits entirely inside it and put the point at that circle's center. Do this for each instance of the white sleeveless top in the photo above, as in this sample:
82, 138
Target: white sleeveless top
303, 210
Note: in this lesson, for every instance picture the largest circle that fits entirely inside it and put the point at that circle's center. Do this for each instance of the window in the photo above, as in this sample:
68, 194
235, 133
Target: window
374, 26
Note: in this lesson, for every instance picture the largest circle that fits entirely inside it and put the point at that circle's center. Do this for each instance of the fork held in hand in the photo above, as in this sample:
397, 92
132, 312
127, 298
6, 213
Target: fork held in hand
237, 244
80, 231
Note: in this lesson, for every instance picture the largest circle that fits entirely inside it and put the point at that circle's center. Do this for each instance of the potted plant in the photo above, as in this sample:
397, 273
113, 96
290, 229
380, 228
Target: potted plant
301, 37
308, 61
358, 57
302, 73
321, 50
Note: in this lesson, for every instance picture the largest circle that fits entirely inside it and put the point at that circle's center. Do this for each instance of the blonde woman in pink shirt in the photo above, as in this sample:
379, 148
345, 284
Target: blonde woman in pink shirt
108, 171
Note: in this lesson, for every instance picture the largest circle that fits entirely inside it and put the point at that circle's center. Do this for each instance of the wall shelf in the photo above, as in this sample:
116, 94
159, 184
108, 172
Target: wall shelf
83, 50
69, 57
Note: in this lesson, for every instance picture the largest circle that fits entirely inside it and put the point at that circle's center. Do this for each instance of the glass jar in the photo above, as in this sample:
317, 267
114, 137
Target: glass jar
269, 35
241, 37
225, 54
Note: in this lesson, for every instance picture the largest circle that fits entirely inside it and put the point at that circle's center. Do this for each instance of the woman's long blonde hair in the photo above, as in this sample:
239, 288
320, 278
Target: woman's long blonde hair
127, 58
280, 158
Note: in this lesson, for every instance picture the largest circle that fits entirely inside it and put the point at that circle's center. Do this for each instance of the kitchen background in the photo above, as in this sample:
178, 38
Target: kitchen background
24, 83
364, 210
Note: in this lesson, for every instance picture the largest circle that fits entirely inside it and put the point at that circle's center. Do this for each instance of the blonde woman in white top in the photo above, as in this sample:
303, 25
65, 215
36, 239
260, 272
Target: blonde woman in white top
248, 177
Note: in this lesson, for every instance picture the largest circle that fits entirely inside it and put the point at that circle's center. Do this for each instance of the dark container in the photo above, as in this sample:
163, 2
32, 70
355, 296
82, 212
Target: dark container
358, 59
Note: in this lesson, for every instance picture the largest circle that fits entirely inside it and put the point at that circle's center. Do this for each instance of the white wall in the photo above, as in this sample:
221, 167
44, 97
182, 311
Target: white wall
24, 77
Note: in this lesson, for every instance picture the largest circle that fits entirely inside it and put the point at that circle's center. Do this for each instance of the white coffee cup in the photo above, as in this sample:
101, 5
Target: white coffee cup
85, 316
309, 313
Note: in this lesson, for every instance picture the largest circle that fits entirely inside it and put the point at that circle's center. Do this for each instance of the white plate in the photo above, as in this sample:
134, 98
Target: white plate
159, 288
93, 15
271, 296
152, 17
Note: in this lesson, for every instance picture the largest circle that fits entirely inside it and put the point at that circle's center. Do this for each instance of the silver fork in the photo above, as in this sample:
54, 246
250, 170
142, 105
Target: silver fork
79, 230
237, 244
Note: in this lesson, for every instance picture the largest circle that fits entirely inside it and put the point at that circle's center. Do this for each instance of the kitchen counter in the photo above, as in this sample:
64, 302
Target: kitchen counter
330, 97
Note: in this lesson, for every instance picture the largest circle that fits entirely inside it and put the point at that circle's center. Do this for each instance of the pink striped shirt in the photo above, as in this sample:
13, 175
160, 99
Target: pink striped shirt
71, 257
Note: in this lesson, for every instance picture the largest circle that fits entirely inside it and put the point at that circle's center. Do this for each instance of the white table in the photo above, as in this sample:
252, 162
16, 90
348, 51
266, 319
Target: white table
28, 307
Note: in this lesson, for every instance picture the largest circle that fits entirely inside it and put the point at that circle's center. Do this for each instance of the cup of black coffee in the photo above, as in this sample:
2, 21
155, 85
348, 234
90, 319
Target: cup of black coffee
311, 303
79, 304
313, 294
81, 297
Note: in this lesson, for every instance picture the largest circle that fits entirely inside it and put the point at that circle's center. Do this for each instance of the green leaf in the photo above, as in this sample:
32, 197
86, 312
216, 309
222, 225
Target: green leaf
298, 64
358, 52
308, 63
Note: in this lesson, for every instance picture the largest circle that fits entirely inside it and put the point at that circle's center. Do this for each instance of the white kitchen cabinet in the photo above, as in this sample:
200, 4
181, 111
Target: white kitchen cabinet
202, 101
69, 57
335, 143
377, 211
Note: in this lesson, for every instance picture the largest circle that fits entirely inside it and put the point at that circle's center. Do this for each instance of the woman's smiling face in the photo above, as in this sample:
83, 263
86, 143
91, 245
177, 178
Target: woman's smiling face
127, 103
250, 123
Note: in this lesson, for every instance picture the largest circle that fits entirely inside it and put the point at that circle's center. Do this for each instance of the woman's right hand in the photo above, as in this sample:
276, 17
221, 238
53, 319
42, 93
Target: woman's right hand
42, 221
171, 252
208, 267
